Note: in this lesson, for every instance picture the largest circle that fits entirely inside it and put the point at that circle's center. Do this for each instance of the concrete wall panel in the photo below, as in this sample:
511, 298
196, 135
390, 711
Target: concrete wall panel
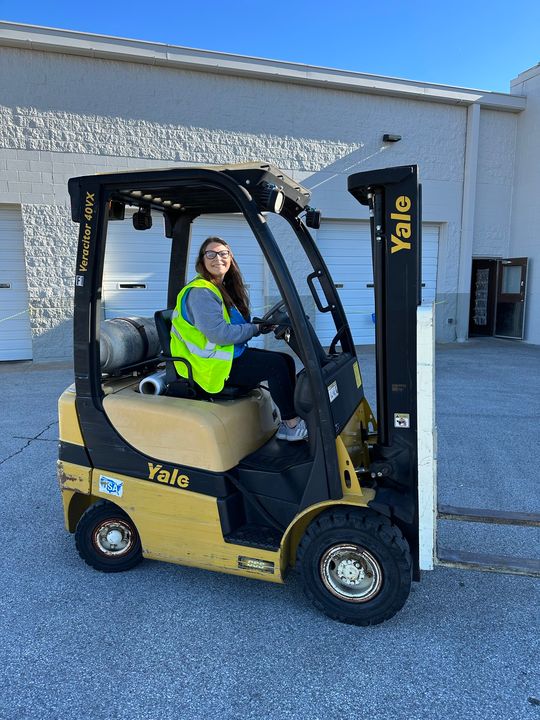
525, 229
495, 180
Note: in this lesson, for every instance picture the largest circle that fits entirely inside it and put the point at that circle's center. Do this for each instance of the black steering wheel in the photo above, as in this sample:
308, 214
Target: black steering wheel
282, 320
266, 318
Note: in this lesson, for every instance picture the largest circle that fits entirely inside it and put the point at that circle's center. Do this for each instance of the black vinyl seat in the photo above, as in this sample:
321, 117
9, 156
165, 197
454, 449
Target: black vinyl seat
178, 386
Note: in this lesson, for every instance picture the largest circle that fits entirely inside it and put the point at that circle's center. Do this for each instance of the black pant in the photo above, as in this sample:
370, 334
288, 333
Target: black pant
255, 365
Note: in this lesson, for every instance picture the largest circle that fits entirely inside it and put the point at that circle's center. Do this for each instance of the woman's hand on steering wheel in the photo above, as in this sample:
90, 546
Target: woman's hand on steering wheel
267, 322
267, 315
264, 327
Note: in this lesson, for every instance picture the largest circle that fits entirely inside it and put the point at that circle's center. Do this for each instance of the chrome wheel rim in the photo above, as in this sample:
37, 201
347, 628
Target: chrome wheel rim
113, 538
351, 573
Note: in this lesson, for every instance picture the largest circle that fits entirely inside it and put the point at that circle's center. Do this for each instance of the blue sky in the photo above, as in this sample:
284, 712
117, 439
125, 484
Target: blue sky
472, 44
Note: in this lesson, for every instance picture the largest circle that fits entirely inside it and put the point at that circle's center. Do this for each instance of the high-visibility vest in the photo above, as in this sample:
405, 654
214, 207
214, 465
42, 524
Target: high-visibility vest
210, 363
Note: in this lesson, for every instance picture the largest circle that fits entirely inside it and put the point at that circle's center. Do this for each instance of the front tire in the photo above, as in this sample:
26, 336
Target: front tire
355, 565
107, 538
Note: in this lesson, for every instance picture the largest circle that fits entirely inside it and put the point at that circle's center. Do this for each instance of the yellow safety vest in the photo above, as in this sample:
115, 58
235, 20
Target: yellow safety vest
210, 363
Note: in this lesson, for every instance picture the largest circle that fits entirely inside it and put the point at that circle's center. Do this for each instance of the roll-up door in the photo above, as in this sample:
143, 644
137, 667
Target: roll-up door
15, 331
137, 263
346, 248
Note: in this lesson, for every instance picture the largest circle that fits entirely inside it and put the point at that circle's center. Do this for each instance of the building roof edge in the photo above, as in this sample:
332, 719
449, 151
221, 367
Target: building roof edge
33, 37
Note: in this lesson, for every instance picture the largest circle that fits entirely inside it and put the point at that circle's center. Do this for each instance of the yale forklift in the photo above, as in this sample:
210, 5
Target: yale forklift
201, 480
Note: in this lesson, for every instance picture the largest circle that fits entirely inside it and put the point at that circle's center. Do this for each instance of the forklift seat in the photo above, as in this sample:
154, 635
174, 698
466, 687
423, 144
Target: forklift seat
178, 386
188, 432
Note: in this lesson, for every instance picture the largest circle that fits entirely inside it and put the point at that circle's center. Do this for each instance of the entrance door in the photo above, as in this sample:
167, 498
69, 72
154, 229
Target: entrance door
510, 311
498, 297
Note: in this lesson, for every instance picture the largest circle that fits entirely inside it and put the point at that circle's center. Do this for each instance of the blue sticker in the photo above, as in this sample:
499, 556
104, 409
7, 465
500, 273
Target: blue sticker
110, 486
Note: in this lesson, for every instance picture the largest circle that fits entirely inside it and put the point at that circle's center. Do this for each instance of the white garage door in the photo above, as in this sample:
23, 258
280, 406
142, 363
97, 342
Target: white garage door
346, 248
15, 333
137, 264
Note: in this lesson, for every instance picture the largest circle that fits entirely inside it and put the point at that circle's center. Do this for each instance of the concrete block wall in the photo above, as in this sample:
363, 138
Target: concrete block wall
66, 115
50, 251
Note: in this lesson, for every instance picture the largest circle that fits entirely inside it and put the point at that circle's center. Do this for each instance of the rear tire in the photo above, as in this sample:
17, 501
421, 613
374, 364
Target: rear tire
107, 538
355, 565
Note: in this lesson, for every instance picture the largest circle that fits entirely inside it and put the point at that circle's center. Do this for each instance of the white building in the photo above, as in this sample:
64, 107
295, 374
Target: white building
75, 104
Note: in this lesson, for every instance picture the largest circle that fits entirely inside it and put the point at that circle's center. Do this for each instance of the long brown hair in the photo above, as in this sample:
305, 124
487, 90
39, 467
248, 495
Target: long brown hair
233, 288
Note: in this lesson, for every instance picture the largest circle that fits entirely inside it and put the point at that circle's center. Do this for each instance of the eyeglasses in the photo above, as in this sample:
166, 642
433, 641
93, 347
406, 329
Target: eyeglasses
212, 254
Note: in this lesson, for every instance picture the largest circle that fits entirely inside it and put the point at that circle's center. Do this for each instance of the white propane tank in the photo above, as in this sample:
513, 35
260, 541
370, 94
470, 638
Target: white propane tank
126, 341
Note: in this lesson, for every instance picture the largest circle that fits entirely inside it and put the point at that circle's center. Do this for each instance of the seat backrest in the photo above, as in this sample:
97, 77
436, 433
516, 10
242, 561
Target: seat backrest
179, 386
163, 320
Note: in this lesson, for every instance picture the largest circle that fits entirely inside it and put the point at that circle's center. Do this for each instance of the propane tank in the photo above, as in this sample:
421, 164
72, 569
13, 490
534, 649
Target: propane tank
126, 341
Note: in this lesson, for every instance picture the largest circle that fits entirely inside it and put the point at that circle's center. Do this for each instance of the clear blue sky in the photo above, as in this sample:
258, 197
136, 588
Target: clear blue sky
468, 43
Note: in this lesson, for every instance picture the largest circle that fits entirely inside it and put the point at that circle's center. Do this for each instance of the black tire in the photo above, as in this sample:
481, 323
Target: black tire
355, 565
107, 538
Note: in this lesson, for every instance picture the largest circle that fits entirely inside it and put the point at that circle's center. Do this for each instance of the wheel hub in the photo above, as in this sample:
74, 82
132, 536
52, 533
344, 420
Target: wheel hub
351, 573
113, 538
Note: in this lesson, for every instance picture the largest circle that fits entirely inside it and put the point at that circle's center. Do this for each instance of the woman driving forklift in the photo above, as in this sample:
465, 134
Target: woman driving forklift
211, 328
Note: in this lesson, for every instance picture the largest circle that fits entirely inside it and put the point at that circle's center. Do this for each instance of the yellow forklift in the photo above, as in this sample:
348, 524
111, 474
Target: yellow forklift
201, 480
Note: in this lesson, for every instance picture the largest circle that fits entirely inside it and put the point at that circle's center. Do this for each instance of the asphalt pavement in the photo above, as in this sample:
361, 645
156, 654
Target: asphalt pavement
165, 641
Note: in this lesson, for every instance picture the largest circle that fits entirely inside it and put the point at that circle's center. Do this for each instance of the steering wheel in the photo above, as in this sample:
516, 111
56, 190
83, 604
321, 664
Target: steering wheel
267, 315
282, 331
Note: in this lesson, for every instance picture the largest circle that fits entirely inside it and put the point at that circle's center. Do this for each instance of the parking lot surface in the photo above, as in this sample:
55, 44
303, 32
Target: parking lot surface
165, 641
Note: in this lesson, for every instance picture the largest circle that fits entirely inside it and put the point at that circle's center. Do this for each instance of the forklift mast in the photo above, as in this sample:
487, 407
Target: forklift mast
393, 196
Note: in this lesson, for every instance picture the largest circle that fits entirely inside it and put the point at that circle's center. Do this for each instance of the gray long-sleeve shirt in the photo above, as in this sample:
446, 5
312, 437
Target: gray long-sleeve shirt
204, 310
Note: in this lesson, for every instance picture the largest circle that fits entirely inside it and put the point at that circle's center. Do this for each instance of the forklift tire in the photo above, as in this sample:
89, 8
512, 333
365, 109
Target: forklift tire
356, 566
107, 538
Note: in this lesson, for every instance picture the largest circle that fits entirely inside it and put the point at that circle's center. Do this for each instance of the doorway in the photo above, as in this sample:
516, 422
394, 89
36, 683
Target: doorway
498, 290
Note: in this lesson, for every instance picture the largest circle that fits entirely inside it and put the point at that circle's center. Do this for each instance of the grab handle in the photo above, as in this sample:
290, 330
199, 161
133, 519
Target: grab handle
310, 278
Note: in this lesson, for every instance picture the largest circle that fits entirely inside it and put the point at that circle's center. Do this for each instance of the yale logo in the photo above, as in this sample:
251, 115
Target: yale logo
158, 474
403, 226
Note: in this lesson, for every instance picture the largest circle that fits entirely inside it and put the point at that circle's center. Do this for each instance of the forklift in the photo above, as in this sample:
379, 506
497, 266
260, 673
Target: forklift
200, 480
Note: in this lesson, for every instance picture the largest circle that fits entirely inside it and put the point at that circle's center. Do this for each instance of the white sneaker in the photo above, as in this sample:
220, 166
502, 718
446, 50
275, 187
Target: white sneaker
292, 434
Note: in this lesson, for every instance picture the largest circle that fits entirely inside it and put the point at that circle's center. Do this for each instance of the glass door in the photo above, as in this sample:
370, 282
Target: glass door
510, 308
